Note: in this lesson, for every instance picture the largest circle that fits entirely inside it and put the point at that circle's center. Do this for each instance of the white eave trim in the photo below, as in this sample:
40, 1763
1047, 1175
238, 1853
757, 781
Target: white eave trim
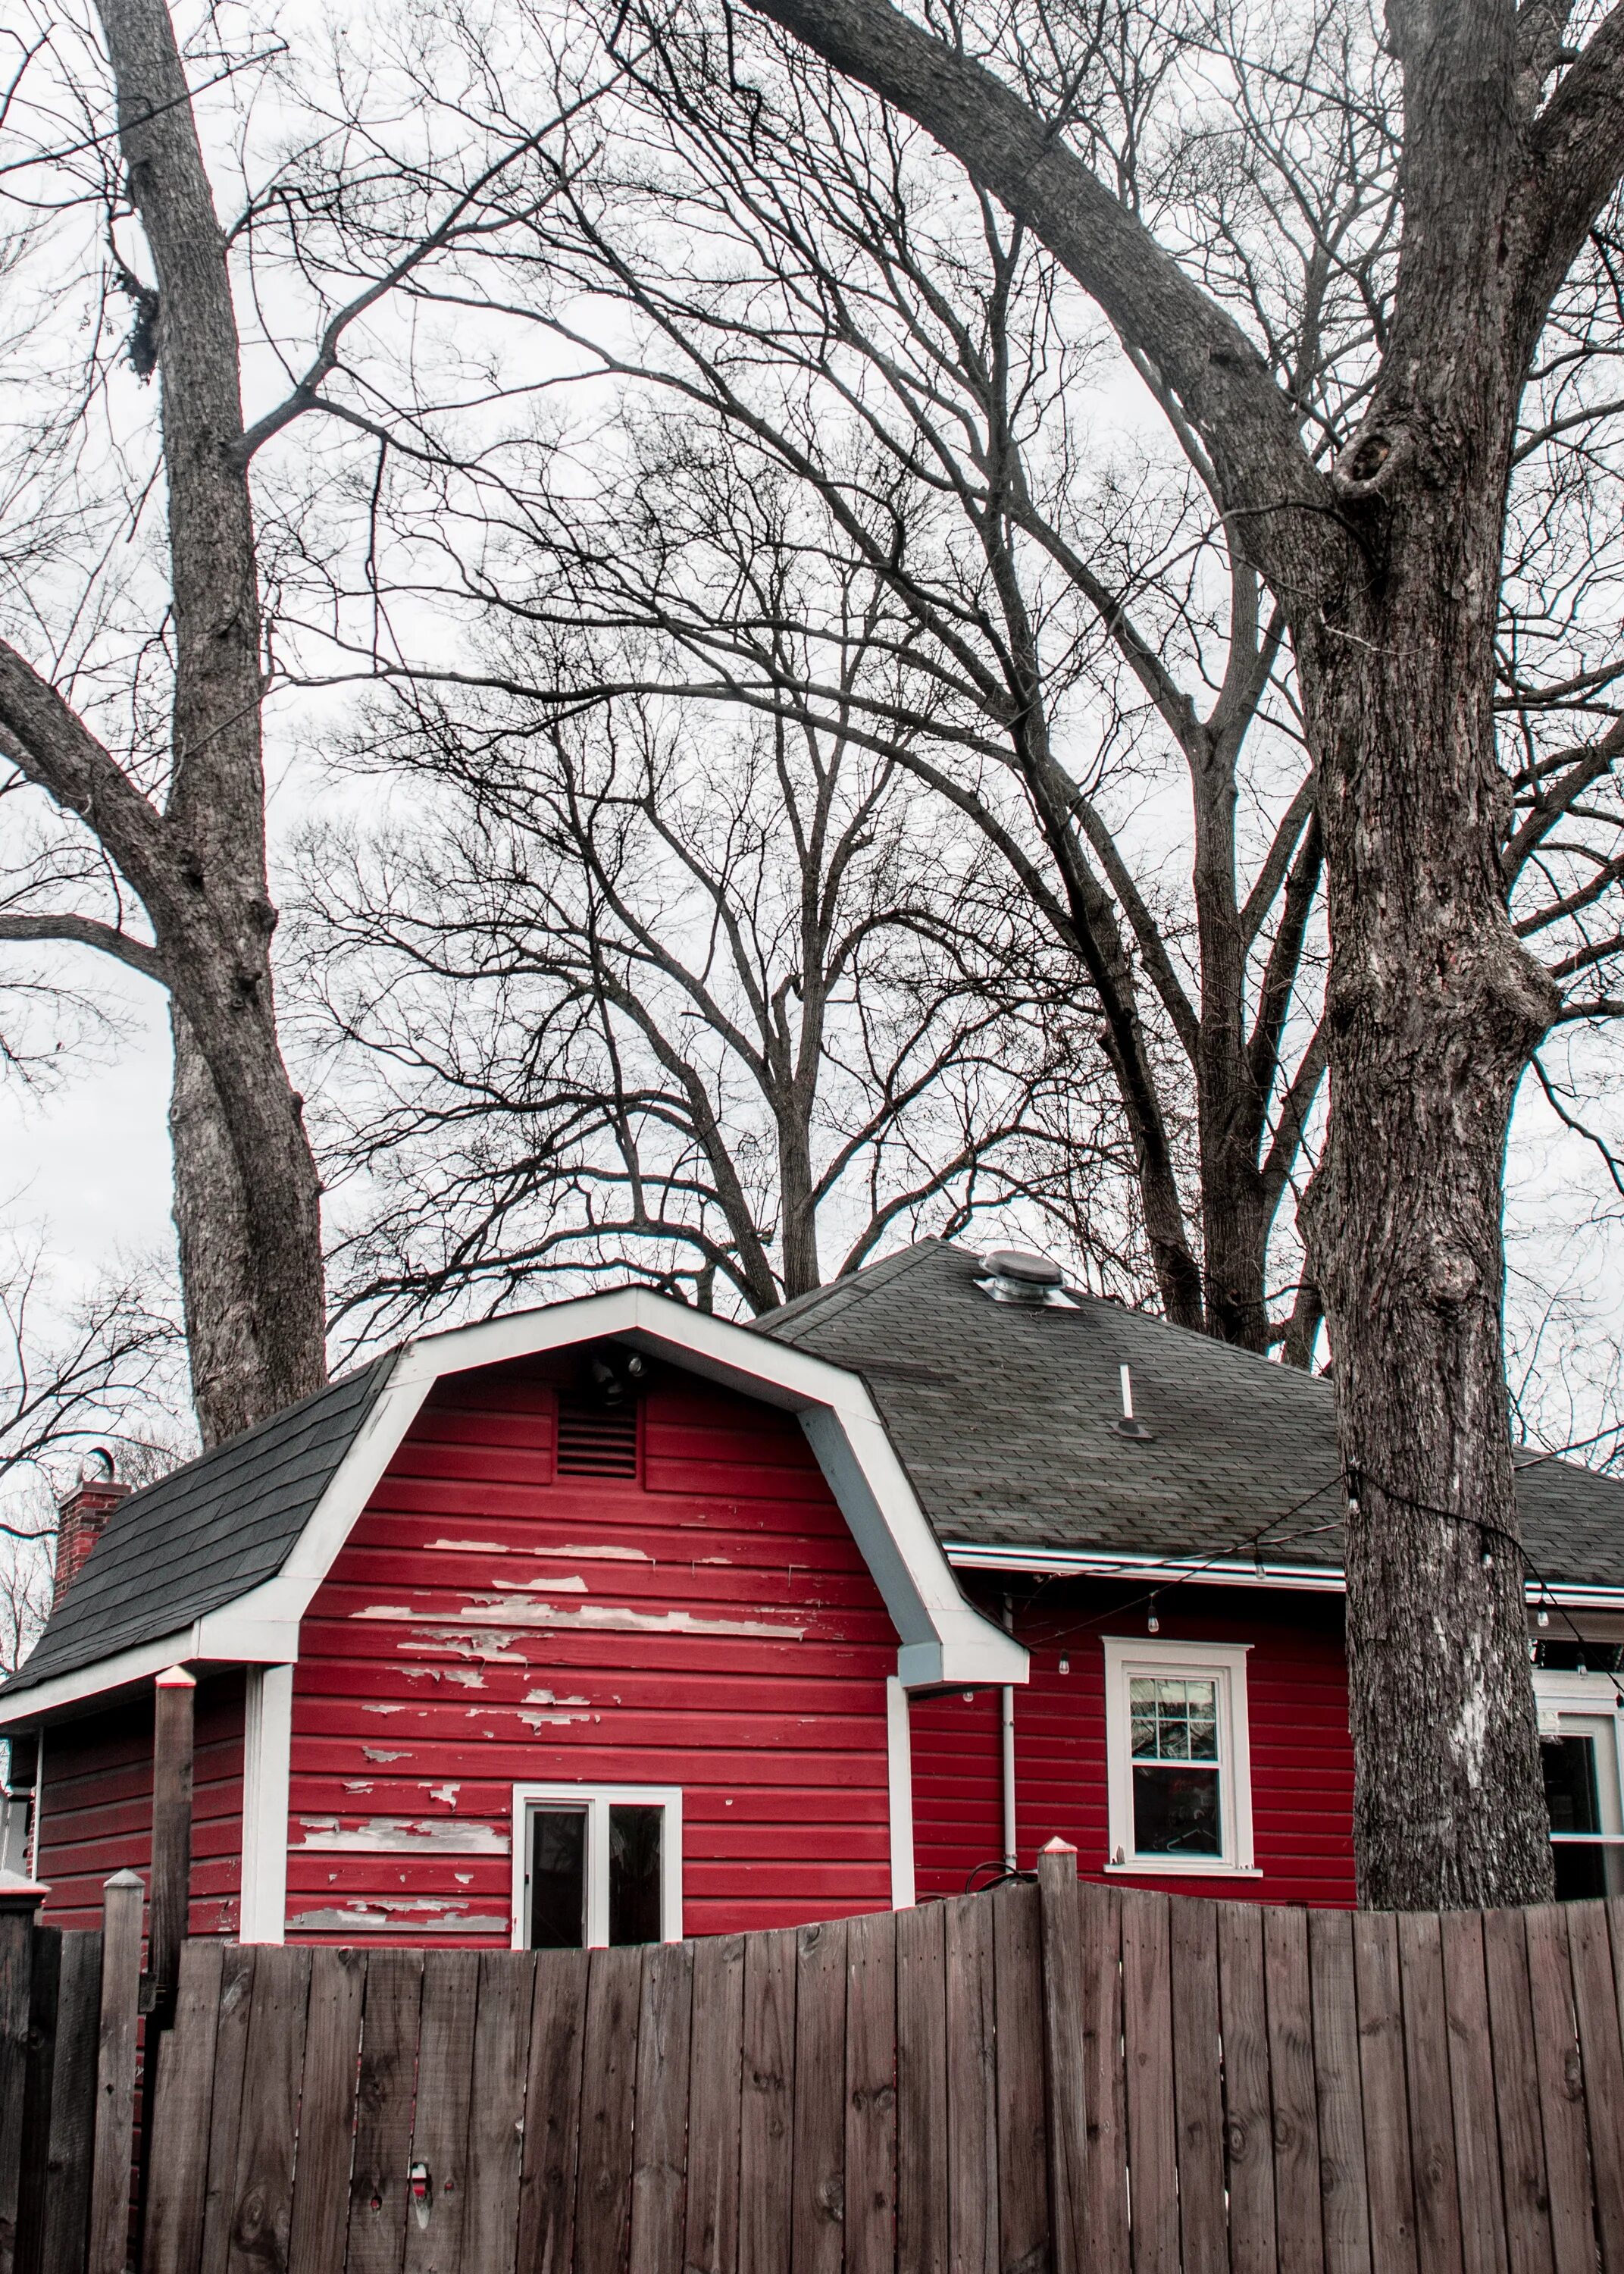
944, 1640
219, 1637
1233, 1572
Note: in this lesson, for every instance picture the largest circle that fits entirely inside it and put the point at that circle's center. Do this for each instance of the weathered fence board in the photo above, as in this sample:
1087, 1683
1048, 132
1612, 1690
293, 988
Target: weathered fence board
1055, 2077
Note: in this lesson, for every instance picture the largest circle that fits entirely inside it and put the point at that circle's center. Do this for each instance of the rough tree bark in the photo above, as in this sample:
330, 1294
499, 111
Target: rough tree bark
1388, 570
247, 1192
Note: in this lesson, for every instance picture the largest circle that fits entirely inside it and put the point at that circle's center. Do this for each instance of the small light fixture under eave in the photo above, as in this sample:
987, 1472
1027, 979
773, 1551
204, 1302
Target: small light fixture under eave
1127, 1426
1015, 1274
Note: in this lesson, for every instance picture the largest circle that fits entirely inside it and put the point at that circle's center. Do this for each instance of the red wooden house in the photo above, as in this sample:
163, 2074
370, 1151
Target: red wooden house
614, 1621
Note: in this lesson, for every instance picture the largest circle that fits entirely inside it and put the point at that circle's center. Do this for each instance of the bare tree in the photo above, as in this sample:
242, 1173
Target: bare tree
1385, 550
103, 1370
680, 993
138, 715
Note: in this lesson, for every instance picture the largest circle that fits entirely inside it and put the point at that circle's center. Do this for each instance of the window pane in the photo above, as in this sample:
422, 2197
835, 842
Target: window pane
1569, 1765
1203, 1741
1177, 1812
1145, 1734
1142, 1693
1581, 1872
635, 1836
558, 1879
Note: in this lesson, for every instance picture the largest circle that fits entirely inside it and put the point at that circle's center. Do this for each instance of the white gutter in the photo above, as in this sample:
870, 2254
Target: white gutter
1227, 1572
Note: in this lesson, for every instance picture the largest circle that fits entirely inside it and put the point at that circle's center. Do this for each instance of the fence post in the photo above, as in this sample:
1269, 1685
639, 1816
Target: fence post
1062, 2051
121, 1990
171, 1845
20, 1899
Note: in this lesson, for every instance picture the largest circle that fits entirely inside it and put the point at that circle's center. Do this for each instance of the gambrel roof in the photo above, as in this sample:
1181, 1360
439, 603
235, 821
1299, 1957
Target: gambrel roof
955, 1432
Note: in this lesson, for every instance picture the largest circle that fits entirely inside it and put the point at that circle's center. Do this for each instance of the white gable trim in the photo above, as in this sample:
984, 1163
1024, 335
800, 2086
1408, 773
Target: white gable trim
944, 1640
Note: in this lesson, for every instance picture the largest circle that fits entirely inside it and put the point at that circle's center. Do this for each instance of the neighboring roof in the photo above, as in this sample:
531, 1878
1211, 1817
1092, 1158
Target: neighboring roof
1004, 1416
204, 1535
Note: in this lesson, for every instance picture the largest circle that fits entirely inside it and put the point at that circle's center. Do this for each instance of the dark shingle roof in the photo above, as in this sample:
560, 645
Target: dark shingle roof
198, 1539
1006, 1418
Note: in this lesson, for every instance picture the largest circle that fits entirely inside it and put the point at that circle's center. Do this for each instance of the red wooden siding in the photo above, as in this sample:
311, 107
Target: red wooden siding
95, 1797
1302, 1756
709, 1624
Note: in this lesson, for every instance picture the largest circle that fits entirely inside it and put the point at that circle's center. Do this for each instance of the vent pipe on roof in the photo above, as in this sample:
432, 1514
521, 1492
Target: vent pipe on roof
1128, 1426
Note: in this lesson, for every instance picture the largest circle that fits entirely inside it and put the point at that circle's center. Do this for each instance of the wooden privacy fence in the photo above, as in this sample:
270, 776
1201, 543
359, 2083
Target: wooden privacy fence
1051, 2076
69, 2026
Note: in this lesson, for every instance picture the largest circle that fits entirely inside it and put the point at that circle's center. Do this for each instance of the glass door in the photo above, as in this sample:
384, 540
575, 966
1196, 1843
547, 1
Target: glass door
1579, 1756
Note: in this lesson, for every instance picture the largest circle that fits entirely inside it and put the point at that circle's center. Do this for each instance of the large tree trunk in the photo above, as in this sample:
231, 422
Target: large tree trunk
255, 1275
1433, 1009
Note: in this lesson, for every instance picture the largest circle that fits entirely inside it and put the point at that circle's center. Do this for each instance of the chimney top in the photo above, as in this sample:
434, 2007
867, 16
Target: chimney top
82, 1518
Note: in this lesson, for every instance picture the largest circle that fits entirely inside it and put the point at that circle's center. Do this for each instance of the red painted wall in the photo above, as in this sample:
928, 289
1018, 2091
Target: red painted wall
709, 1623
1302, 1756
95, 1806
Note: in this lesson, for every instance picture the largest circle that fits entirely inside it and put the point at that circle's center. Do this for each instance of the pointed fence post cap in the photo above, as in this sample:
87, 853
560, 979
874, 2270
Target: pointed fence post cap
125, 1879
175, 1677
1057, 1846
18, 1892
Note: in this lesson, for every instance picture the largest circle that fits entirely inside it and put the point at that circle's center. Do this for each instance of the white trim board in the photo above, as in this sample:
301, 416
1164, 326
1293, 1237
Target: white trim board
1220, 1571
900, 1789
945, 1641
267, 1746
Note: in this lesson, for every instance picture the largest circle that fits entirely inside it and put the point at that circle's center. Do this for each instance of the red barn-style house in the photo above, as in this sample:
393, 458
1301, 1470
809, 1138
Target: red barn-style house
613, 1622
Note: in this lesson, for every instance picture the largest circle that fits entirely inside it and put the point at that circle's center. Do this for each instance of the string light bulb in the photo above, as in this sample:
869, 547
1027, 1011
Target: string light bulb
1542, 1617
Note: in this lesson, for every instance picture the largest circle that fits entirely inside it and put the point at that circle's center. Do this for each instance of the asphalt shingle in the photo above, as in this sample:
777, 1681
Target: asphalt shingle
1006, 1416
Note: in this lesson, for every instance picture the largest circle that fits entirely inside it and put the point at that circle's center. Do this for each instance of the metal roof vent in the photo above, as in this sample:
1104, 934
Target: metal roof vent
1014, 1275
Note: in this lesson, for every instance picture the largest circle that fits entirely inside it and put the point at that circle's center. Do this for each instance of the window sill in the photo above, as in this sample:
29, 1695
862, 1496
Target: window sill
1149, 1868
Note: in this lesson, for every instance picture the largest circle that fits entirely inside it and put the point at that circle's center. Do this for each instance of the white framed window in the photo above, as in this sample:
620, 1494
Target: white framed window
1178, 1762
1580, 1755
596, 1864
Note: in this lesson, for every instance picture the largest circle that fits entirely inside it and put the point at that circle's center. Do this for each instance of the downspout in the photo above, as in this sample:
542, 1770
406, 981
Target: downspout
1008, 1716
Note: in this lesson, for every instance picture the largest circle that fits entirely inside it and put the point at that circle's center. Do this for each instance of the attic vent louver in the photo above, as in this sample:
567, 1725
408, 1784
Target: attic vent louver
1013, 1274
594, 1443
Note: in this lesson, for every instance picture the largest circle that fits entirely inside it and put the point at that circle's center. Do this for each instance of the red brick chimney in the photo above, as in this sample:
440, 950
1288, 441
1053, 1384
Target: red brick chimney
81, 1519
